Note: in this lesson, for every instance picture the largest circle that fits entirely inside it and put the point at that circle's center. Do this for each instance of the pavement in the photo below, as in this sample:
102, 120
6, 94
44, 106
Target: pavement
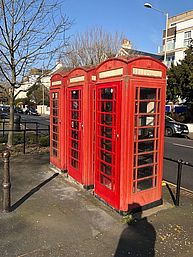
52, 216
190, 135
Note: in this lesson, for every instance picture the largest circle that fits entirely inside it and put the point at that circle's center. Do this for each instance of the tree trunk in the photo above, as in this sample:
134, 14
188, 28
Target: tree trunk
11, 118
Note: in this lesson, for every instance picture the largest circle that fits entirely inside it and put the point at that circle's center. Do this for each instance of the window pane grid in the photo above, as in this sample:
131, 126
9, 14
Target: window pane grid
147, 115
75, 128
105, 150
145, 165
105, 127
107, 176
54, 124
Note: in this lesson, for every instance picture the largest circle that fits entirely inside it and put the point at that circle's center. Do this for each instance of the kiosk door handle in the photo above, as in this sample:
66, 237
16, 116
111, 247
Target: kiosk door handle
115, 135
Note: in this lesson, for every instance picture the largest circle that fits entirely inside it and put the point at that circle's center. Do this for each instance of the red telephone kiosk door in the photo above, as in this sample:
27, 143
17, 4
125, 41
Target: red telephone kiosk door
75, 133
55, 155
107, 142
148, 145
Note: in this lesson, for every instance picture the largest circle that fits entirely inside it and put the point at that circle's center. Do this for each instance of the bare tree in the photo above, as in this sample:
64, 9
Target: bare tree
92, 47
31, 31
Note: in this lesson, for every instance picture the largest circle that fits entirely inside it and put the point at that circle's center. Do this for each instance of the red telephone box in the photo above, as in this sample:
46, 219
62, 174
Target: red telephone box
58, 156
80, 106
130, 109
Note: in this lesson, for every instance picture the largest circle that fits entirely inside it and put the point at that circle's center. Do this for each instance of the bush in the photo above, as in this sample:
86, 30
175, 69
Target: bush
18, 138
44, 141
31, 138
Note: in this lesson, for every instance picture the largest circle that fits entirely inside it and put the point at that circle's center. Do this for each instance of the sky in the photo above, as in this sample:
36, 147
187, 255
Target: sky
142, 26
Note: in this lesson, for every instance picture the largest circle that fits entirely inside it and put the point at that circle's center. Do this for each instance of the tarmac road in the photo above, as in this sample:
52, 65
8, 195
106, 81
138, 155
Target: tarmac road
179, 148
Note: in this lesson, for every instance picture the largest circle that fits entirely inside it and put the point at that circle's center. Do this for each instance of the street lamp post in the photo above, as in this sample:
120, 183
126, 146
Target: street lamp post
148, 5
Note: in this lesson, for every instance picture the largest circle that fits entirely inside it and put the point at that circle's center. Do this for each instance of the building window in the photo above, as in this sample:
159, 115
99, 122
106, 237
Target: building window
187, 38
173, 24
170, 44
169, 60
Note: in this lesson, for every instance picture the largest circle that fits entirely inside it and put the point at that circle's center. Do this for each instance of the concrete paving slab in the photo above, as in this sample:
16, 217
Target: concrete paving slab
54, 217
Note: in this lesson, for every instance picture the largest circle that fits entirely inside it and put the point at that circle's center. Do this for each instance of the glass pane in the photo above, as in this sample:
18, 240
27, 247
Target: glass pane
136, 93
55, 136
55, 120
136, 107
74, 154
106, 132
105, 181
54, 152
55, 112
147, 107
75, 94
145, 172
75, 115
107, 93
145, 133
143, 121
148, 93
75, 105
145, 159
55, 103
55, 95
54, 144
106, 169
75, 124
55, 129
74, 144
106, 119
74, 163
74, 134
145, 184
107, 106
145, 146
107, 157
106, 144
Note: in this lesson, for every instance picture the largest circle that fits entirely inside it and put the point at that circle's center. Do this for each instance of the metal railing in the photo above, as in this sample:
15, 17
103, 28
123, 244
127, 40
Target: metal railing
37, 130
180, 163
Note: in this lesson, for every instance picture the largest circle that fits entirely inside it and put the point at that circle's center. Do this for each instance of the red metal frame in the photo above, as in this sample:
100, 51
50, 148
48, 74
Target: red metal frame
82, 80
135, 166
146, 150
107, 142
111, 122
75, 132
58, 86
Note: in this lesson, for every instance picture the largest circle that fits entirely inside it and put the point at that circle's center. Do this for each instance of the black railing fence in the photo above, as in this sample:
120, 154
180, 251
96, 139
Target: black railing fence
180, 164
22, 127
40, 128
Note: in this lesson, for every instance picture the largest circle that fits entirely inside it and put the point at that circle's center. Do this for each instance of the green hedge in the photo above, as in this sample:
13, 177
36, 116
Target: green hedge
43, 140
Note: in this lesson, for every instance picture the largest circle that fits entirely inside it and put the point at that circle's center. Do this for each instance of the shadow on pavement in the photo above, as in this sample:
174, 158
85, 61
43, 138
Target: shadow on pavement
138, 239
31, 192
171, 194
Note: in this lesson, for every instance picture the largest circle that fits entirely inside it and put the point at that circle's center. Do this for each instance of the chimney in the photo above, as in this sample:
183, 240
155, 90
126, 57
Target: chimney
126, 44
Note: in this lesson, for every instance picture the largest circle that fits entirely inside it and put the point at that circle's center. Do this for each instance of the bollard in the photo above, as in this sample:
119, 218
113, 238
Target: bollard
6, 182
36, 132
179, 176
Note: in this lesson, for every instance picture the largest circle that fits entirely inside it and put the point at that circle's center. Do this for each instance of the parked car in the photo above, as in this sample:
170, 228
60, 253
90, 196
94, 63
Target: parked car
5, 108
31, 111
173, 127
4, 115
18, 110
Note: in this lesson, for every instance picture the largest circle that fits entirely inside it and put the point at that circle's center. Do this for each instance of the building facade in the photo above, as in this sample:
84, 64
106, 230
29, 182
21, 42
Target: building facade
179, 36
